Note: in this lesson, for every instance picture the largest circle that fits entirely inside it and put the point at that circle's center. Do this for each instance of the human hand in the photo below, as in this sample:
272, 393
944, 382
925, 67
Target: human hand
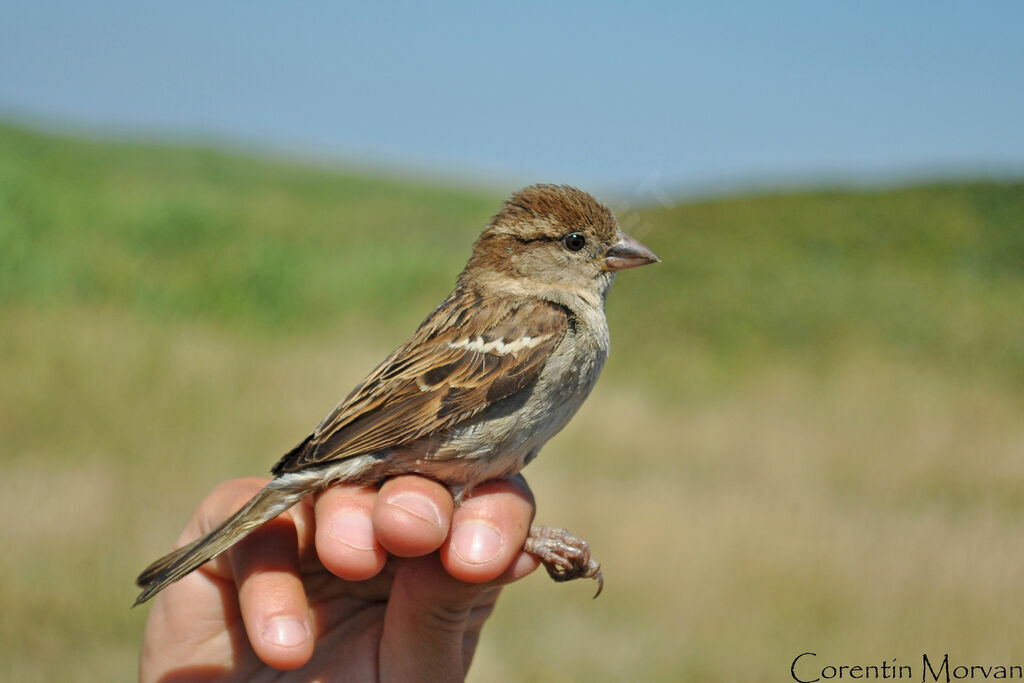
355, 583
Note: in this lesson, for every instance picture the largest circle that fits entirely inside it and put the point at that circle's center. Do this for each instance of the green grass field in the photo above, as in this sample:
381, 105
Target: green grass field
809, 436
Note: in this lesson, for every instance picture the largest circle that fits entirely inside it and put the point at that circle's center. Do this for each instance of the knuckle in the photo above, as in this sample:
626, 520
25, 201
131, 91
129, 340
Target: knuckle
449, 617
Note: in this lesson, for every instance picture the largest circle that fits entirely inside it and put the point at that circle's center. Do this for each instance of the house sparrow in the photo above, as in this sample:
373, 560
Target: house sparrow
493, 373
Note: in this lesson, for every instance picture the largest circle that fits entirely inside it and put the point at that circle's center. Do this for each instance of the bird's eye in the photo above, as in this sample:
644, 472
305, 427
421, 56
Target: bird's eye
574, 241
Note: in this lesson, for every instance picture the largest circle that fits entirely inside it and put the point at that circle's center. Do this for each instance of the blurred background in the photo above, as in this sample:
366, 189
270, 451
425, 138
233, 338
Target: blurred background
216, 218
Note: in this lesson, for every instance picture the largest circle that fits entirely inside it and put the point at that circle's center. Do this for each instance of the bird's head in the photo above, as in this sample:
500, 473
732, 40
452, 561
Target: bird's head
551, 239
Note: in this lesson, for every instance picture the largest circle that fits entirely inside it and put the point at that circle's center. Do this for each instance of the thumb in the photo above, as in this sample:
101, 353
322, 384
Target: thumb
427, 622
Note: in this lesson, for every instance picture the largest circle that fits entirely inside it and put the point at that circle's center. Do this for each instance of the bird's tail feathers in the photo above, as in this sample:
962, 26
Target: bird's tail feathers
273, 499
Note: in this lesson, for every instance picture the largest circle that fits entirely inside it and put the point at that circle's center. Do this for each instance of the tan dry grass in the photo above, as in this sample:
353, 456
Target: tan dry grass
865, 511
870, 513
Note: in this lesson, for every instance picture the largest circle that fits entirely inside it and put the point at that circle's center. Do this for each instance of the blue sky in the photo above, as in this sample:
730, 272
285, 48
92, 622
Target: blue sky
604, 95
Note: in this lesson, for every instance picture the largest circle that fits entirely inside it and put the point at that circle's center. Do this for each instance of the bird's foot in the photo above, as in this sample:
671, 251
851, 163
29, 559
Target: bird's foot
565, 556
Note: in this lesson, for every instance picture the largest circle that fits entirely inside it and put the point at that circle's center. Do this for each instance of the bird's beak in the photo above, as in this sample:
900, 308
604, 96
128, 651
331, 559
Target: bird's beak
628, 253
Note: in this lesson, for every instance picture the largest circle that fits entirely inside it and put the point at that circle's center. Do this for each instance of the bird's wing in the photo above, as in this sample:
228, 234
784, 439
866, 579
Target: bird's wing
470, 353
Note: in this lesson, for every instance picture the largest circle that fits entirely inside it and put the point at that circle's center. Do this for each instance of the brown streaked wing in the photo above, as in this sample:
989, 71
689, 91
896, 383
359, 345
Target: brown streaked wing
428, 385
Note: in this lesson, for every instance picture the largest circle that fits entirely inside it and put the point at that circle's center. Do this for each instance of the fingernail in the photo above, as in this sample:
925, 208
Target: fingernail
355, 530
417, 506
476, 543
285, 632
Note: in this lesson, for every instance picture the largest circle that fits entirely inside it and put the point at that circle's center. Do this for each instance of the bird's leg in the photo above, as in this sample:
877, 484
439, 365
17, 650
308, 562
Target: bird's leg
460, 492
565, 556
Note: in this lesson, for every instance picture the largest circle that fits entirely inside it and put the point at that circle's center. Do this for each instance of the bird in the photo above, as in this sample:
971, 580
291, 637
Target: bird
496, 370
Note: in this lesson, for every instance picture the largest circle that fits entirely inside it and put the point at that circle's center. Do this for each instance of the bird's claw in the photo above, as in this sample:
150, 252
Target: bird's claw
565, 556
